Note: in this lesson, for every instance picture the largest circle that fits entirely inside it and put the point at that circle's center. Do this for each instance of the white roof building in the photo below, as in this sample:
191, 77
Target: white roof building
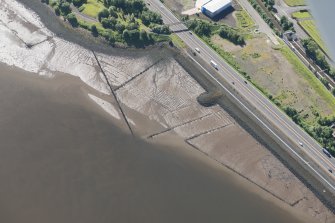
214, 7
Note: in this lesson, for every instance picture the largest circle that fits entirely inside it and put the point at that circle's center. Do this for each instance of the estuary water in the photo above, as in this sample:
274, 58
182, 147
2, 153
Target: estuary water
62, 160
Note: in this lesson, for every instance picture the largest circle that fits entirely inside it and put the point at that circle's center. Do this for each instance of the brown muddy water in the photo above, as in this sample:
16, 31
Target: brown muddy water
62, 160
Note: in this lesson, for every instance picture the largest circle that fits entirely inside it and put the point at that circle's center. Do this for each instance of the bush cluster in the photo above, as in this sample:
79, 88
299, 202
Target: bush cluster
321, 131
121, 20
206, 29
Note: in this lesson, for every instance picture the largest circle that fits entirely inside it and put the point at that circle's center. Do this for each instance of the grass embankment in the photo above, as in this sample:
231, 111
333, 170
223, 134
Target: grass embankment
310, 27
244, 20
92, 8
301, 15
295, 2
177, 41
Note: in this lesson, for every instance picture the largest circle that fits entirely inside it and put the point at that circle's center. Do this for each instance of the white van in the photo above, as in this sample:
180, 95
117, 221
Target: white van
214, 64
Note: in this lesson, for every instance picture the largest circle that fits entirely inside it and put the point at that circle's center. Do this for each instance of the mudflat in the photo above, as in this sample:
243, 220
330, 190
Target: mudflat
62, 160
157, 97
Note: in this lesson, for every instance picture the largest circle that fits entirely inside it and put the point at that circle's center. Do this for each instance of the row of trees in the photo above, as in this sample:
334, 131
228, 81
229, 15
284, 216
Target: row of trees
232, 35
262, 13
269, 4
313, 52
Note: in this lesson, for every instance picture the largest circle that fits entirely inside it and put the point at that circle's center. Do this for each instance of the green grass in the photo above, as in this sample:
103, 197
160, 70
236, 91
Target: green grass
177, 41
244, 20
93, 7
302, 70
301, 15
295, 2
310, 27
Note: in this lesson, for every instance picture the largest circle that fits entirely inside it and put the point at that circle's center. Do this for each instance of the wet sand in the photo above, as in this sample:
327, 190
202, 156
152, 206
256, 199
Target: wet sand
62, 160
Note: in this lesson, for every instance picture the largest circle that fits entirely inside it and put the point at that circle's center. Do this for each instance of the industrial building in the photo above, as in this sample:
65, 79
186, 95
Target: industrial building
213, 8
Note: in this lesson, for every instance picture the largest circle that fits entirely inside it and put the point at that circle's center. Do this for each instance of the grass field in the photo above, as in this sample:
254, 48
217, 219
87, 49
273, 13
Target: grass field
295, 2
280, 75
243, 19
310, 27
301, 15
93, 7
302, 70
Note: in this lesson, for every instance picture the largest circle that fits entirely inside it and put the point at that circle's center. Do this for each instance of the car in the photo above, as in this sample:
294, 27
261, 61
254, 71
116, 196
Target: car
330, 170
325, 151
245, 82
197, 49
190, 32
300, 143
214, 64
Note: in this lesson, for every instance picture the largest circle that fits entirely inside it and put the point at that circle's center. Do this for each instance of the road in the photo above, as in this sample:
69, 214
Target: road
256, 105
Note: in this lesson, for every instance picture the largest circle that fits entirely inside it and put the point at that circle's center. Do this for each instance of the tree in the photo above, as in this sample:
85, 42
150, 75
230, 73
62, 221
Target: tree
78, 3
108, 23
72, 19
286, 24
94, 30
161, 29
64, 7
126, 35
103, 14
111, 38
112, 11
144, 36
57, 11
119, 27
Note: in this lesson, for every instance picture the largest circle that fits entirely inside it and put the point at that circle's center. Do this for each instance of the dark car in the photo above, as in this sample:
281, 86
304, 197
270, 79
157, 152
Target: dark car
325, 151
